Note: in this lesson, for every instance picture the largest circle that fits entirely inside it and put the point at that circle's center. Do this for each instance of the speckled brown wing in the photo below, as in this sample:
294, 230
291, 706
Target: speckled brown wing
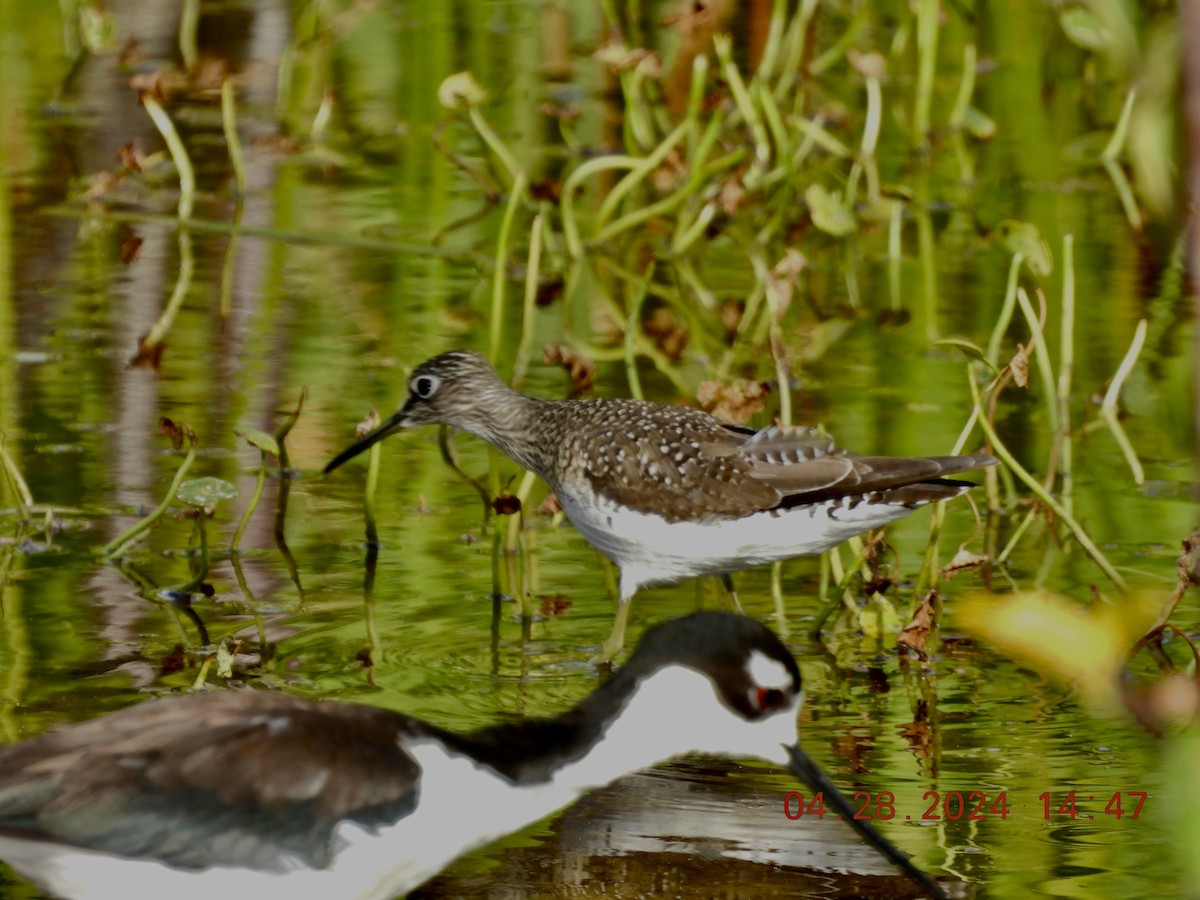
211, 779
675, 461
682, 463
805, 466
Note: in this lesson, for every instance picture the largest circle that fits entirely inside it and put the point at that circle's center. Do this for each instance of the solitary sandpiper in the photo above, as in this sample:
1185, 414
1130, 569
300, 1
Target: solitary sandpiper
669, 492
247, 793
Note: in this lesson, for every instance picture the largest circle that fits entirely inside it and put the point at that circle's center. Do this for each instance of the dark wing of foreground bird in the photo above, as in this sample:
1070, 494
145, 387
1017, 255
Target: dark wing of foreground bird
211, 779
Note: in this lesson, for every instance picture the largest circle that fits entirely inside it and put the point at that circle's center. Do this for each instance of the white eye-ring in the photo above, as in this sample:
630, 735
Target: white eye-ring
424, 386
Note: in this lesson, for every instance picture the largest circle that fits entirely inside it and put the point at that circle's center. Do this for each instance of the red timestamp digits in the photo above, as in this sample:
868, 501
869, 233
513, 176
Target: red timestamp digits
970, 806
1069, 805
881, 805
974, 807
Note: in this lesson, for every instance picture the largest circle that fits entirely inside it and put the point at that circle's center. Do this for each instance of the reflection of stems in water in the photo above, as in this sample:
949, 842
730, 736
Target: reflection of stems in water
372, 626
118, 544
202, 570
253, 504
266, 652
229, 264
149, 345
17, 653
369, 493
183, 604
16, 484
285, 428
285, 488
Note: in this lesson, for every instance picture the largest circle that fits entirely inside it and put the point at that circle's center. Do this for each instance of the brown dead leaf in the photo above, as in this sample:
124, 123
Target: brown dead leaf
177, 432
1188, 565
1019, 367
664, 328
916, 632
735, 401
148, 356
963, 561
581, 370
130, 247
555, 605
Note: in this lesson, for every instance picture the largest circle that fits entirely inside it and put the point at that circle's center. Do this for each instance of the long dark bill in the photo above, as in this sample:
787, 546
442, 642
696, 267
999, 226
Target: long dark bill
390, 426
811, 773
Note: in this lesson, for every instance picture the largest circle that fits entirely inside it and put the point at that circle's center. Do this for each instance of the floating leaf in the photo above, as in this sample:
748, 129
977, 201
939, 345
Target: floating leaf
967, 348
259, 439
205, 492
1024, 238
829, 212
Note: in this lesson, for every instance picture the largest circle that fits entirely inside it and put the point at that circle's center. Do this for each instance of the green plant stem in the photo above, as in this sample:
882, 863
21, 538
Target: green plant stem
1036, 488
1117, 141
497, 146
232, 142
572, 184
189, 20
529, 307
1042, 354
115, 546
927, 45
1006, 311
966, 88
179, 155
1109, 410
632, 330
500, 273
637, 173
1066, 367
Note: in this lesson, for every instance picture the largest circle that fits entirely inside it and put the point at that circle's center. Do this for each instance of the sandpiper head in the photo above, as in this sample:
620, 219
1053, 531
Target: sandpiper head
455, 388
458, 388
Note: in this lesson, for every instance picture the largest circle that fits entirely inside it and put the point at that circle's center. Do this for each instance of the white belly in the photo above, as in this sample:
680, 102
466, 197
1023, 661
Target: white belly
650, 550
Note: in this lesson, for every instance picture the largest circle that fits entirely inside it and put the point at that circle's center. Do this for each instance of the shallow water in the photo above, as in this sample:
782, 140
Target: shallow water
334, 284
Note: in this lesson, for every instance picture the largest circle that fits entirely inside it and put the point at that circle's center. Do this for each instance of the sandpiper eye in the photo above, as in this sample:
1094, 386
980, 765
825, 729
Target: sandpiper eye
424, 385
769, 698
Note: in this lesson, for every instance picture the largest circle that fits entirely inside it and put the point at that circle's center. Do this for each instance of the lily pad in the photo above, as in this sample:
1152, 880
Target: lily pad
259, 439
205, 492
